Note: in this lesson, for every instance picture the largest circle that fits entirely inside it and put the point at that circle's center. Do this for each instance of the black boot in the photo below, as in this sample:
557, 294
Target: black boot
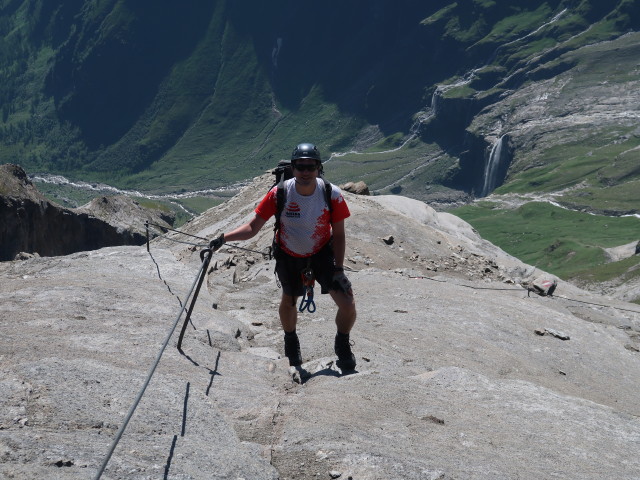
292, 349
346, 359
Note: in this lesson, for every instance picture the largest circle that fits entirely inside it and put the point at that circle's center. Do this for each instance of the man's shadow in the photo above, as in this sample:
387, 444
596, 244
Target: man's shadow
303, 375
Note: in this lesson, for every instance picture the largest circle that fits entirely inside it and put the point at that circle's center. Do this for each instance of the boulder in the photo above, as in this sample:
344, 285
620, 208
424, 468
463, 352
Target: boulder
359, 188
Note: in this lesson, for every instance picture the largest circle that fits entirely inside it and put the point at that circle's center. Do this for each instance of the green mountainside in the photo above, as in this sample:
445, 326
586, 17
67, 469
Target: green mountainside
441, 101
154, 95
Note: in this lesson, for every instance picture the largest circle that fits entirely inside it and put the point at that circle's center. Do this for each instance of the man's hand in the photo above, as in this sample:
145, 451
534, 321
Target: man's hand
216, 243
341, 282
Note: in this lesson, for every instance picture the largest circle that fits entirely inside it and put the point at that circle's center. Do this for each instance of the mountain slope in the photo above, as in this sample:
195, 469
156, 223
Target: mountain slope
442, 101
452, 379
153, 94
31, 224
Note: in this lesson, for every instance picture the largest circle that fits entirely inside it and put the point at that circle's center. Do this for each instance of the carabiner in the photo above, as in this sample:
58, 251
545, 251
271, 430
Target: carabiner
308, 281
204, 251
307, 302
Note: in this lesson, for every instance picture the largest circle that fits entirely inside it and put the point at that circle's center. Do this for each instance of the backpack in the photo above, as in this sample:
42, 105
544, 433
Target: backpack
282, 172
543, 286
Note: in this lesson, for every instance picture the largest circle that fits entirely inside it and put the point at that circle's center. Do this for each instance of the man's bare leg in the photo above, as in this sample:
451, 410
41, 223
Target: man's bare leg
289, 318
288, 313
345, 319
346, 314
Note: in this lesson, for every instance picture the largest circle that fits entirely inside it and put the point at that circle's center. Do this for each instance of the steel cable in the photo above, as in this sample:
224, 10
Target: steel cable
265, 254
152, 370
596, 304
517, 290
177, 231
160, 234
467, 286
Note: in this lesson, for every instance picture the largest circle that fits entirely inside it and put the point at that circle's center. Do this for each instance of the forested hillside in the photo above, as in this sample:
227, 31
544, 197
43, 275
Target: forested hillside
165, 95
442, 101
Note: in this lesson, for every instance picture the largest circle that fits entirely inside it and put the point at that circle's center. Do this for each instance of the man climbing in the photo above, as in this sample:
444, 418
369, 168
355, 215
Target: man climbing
310, 235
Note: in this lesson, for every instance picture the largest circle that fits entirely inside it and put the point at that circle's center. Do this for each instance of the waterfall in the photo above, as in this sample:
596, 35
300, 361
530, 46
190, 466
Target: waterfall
435, 100
275, 52
492, 166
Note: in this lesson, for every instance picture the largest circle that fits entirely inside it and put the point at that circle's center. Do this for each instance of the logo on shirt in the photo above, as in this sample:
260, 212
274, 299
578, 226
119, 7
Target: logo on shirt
292, 210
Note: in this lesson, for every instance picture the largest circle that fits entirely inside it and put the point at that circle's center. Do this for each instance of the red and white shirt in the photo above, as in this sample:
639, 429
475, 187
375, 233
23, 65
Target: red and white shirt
305, 222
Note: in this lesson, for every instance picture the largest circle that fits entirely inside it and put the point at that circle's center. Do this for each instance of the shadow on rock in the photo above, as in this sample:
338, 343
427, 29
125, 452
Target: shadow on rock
301, 375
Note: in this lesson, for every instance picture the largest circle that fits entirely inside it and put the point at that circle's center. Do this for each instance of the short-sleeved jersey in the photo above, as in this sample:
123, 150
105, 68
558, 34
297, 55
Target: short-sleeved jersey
305, 222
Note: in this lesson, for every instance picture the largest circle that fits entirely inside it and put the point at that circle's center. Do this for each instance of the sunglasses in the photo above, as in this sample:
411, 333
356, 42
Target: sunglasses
305, 168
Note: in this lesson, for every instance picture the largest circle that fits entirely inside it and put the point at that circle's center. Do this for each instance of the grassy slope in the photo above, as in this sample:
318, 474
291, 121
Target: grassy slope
596, 168
602, 158
567, 243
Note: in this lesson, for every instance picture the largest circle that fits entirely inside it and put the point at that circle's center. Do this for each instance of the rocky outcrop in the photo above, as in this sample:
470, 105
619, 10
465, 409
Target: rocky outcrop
30, 223
484, 164
580, 111
359, 188
454, 362
125, 213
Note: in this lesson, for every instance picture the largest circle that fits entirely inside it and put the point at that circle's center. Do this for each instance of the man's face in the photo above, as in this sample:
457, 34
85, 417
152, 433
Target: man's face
305, 170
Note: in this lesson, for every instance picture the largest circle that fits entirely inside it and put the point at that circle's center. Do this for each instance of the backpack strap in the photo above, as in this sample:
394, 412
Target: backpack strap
327, 194
281, 199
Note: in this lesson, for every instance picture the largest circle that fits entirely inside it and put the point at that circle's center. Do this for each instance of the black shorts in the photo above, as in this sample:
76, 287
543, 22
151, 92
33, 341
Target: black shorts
289, 270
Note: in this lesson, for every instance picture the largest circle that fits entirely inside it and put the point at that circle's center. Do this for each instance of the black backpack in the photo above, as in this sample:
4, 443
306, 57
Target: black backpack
284, 172
543, 286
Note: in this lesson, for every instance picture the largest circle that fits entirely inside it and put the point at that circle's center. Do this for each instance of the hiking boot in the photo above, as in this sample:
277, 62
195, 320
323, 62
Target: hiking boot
292, 349
346, 359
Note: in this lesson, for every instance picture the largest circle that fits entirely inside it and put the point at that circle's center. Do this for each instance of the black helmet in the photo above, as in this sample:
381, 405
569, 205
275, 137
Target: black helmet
306, 150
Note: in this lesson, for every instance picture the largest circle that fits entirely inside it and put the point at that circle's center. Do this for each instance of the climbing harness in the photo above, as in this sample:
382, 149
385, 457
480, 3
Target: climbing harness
308, 281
